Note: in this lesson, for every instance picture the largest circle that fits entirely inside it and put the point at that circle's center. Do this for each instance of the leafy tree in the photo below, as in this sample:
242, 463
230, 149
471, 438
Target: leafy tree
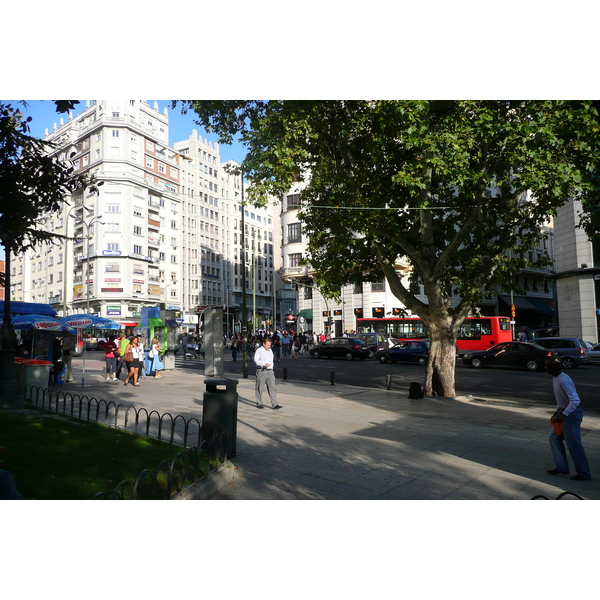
451, 185
33, 183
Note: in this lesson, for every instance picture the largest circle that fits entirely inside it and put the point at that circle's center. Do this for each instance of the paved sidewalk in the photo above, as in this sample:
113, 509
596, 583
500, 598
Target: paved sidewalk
345, 442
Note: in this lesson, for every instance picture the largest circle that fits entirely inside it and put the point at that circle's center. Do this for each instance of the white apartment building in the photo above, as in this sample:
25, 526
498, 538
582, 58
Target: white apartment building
212, 239
126, 251
314, 311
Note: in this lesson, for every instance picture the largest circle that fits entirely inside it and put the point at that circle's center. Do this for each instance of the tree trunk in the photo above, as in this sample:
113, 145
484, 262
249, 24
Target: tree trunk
440, 377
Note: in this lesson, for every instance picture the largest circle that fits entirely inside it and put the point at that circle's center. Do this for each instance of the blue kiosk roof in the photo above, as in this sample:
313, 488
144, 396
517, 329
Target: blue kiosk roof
28, 308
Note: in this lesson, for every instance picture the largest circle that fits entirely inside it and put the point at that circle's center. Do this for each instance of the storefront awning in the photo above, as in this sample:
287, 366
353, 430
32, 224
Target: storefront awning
542, 305
307, 313
154, 322
520, 303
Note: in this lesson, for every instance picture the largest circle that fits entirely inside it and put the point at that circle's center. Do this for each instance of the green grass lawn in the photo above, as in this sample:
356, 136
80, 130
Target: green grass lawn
55, 458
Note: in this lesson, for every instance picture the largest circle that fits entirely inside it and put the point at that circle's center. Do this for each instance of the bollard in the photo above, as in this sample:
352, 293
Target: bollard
285, 373
332, 377
245, 358
388, 382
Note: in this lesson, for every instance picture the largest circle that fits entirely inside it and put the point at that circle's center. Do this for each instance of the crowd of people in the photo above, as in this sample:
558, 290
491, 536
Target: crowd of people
122, 352
284, 343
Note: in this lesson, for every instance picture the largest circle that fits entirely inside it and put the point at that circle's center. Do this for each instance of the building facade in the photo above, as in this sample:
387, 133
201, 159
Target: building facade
577, 276
123, 248
375, 300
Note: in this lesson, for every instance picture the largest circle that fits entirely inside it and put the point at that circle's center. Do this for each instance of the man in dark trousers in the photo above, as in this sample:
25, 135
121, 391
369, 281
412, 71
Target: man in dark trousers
570, 414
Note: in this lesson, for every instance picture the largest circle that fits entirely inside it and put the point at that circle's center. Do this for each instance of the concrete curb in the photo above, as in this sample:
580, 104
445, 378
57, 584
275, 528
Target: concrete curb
215, 482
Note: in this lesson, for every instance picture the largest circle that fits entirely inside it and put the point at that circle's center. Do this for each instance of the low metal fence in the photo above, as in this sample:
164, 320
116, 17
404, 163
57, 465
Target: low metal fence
207, 452
178, 430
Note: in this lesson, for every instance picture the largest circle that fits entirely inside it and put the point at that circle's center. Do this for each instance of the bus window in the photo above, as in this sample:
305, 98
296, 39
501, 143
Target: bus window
473, 329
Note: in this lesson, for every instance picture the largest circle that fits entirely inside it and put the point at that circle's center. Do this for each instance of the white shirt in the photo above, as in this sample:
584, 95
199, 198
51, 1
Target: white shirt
262, 357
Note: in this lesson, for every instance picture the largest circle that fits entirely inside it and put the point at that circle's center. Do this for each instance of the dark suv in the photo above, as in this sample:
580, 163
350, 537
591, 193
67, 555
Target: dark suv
348, 348
573, 351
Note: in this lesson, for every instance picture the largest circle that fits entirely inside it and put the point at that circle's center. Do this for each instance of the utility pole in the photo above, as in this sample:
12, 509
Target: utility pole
244, 308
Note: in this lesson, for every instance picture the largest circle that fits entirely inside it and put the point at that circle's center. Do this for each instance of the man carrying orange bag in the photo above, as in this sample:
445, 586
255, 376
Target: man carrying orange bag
569, 415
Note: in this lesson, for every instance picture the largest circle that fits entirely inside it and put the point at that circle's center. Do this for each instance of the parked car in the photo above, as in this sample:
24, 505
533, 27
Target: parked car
595, 353
405, 352
376, 341
509, 354
343, 347
572, 350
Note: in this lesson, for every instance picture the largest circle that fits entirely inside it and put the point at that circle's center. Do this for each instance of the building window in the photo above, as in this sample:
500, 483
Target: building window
137, 249
378, 286
115, 133
294, 233
293, 201
294, 259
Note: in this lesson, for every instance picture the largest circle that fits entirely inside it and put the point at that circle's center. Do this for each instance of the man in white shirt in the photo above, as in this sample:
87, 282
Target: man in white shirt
570, 414
265, 376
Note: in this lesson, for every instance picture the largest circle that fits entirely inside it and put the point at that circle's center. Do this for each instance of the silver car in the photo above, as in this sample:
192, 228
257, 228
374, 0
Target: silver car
573, 351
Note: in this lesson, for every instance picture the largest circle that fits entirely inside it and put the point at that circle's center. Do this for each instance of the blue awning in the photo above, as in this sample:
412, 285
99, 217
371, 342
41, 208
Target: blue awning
28, 308
542, 305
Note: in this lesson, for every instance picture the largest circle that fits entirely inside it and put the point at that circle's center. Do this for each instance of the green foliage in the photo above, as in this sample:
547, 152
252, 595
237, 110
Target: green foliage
443, 183
33, 182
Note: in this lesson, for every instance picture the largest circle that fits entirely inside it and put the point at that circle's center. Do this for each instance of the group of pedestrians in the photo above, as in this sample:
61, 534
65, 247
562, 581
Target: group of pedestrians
122, 352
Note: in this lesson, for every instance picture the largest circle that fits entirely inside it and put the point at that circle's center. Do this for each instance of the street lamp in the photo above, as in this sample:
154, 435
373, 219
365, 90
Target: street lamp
76, 206
87, 237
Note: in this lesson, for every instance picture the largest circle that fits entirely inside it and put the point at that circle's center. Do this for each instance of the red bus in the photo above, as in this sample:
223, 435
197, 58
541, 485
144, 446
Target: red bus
476, 333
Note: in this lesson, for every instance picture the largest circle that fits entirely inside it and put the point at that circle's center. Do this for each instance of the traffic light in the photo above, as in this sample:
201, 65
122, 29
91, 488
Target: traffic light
294, 284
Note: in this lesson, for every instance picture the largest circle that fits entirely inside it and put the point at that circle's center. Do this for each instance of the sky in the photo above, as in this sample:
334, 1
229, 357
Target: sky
44, 115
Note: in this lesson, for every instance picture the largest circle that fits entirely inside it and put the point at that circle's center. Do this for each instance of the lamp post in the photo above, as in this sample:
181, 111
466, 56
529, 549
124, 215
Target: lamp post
87, 237
244, 308
67, 253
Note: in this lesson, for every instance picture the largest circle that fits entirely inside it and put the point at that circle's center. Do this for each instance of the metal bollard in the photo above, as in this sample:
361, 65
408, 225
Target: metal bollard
388, 382
332, 377
285, 373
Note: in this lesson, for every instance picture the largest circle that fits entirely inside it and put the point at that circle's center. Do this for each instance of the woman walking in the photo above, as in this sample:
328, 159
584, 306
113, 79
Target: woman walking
111, 358
157, 365
135, 365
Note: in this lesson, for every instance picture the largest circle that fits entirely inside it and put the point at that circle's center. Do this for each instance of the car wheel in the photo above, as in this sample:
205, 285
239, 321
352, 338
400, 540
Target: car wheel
383, 358
421, 361
477, 363
568, 362
532, 365
349, 356
316, 355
